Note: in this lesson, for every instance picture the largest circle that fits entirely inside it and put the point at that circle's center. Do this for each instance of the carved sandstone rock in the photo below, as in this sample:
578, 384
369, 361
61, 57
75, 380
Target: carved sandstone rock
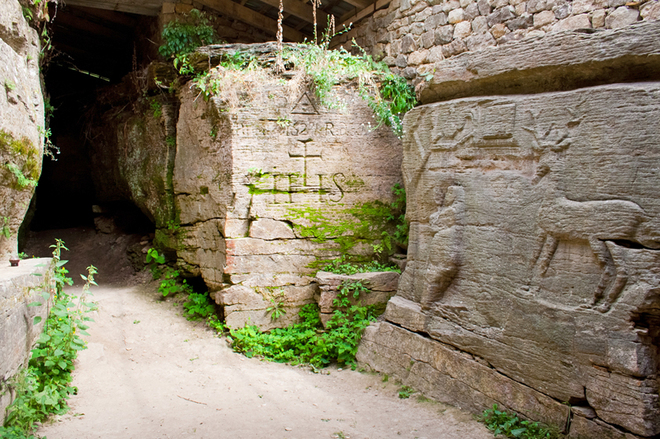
533, 256
257, 184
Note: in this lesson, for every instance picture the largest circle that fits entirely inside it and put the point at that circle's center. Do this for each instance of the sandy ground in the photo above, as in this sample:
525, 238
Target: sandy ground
149, 373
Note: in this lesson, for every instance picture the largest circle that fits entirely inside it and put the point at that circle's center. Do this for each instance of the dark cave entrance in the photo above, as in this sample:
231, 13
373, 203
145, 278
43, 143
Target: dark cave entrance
92, 50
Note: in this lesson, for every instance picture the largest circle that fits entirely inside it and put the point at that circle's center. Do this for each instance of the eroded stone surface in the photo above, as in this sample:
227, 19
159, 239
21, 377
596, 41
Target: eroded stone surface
381, 286
536, 64
534, 246
276, 168
17, 329
21, 119
136, 150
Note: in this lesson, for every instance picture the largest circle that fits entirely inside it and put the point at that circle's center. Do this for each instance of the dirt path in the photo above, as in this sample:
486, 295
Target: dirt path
150, 374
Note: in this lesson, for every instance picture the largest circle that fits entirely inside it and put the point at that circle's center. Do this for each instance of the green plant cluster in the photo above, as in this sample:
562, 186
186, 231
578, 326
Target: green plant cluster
405, 392
381, 225
44, 386
509, 425
182, 36
24, 164
197, 305
276, 308
307, 342
388, 95
343, 265
5, 230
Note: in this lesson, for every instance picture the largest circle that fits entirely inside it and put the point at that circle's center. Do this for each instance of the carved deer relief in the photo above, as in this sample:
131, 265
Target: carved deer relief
560, 218
445, 248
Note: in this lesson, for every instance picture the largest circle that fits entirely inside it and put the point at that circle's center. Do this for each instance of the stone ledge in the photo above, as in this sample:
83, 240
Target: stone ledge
382, 285
555, 62
460, 379
17, 331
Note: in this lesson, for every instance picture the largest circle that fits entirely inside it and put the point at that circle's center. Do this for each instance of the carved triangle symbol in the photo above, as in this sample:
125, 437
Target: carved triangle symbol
304, 106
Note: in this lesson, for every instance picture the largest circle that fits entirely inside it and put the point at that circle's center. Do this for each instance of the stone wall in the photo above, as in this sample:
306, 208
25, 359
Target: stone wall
17, 329
262, 178
532, 278
254, 181
21, 121
412, 35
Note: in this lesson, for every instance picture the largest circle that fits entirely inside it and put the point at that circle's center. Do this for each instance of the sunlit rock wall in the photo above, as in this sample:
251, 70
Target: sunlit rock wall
256, 183
532, 278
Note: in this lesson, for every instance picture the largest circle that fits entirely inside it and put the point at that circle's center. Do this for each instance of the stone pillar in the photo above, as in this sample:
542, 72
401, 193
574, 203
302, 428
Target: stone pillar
535, 230
264, 185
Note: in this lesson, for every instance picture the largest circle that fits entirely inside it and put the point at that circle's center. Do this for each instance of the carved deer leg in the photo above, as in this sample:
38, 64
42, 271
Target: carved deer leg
437, 281
547, 252
442, 266
616, 287
605, 258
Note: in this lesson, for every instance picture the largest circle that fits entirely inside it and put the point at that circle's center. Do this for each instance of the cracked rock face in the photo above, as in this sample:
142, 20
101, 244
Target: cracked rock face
534, 249
21, 119
251, 182
532, 279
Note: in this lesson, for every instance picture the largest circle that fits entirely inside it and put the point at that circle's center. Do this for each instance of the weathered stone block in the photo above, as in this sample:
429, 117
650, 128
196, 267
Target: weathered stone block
543, 18
535, 65
574, 22
279, 170
17, 329
621, 17
381, 286
534, 247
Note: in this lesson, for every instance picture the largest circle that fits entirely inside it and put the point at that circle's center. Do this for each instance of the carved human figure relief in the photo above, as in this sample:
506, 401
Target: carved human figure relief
597, 222
445, 248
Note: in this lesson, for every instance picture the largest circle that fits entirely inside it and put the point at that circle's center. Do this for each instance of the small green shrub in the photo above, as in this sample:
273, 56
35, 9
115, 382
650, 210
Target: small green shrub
170, 284
307, 342
22, 181
198, 306
405, 392
216, 324
348, 289
276, 308
343, 265
44, 387
4, 230
154, 260
509, 425
182, 36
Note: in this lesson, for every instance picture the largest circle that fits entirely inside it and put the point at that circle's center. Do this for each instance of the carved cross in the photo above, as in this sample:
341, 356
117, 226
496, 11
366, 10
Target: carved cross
304, 152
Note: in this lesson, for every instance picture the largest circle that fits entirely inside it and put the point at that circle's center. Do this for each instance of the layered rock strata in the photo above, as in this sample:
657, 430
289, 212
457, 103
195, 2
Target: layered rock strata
532, 278
21, 121
18, 288
247, 189
379, 288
